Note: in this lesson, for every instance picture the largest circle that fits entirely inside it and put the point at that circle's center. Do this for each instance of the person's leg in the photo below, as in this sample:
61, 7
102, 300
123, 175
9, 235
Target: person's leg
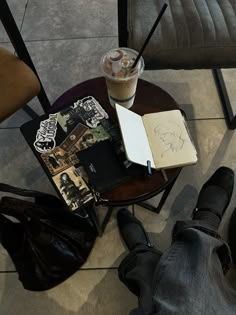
137, 269
136, 272
214, 198
232, 236
200, 256
189, 278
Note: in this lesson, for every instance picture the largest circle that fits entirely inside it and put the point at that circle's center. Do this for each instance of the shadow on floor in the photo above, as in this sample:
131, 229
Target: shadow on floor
14, 299
181, 209
86, 292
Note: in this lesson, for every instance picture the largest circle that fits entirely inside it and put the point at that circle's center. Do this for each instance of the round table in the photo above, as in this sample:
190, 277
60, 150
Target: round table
149, 99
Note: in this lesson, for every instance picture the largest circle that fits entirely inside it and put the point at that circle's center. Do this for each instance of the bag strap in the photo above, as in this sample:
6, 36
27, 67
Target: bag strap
4, 221
41, 198
20, 209
8, 207
17, 208
22, 192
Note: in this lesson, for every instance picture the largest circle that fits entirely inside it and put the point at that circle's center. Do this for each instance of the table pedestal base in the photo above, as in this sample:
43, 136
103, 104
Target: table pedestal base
101, 227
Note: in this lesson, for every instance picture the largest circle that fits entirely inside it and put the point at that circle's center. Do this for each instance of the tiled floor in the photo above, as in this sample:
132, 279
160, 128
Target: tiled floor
66, 40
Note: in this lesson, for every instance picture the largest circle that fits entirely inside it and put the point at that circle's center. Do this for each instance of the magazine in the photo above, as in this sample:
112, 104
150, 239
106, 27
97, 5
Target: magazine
56, 139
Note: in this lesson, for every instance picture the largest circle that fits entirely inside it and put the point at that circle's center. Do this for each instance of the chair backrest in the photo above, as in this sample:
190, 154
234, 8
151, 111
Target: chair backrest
16, 39
122, 23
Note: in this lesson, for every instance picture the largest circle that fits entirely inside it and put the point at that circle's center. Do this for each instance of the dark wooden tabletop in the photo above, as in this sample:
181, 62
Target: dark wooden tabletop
149, 99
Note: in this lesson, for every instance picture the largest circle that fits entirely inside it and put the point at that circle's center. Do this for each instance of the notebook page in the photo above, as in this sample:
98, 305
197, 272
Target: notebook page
169, 139
134, 136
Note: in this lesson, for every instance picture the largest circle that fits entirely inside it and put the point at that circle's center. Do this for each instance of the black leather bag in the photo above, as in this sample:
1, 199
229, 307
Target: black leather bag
48, 243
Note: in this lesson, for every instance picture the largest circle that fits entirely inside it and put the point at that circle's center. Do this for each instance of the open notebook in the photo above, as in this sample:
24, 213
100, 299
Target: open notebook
162, 138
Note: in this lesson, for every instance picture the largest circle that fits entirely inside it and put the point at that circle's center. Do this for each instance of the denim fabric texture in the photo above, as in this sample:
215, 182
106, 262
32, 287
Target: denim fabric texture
188, 279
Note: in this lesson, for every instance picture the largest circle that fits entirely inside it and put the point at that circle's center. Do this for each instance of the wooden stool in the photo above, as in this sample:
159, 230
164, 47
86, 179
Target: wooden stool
18, 84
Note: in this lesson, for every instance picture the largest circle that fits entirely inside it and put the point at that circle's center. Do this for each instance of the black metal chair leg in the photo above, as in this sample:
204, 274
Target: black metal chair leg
220, 84
100, 227
30, 112
16, 39
122, 23
107, 218
158, 208
93, 216
44, 101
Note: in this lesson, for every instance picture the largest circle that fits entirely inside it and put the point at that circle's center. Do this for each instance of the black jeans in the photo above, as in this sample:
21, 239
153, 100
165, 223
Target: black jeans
188, 279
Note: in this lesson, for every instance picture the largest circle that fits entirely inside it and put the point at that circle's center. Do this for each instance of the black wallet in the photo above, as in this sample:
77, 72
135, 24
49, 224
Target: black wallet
103, 167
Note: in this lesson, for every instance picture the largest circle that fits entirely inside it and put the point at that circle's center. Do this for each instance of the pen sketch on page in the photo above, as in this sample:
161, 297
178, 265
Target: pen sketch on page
170, 133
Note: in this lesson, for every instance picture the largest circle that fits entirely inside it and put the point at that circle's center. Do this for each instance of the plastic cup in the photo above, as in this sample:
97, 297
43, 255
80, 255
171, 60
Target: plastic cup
121, 80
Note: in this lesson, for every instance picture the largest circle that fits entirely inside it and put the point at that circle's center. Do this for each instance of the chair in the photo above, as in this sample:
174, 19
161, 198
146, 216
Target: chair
196, 34
26, 74
18, 84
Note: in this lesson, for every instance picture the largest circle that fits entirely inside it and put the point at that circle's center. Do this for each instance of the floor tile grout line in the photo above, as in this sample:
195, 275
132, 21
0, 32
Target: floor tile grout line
22, 22
216, 118
9, 128
81, 269
68, 38
99, 268
133, 210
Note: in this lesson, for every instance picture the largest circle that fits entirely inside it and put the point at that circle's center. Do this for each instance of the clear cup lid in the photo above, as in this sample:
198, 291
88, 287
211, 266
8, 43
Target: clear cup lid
117, 63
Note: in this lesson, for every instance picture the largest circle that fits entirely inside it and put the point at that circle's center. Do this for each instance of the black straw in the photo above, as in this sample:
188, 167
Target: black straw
150, 35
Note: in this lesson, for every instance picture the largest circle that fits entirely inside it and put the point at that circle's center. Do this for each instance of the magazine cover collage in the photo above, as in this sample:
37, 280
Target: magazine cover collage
61, 136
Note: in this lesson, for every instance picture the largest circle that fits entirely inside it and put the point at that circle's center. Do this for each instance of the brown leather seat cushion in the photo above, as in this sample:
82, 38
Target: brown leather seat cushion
18, 84
191, 35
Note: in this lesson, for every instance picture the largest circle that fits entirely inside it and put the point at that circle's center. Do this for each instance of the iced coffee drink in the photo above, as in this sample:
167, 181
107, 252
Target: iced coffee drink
121, 78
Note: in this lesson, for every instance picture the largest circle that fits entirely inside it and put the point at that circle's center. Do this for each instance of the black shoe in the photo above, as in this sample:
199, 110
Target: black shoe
215, 197
232, 236
131, 230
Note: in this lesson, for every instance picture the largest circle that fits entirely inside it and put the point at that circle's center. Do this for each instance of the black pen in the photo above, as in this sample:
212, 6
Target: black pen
149, 169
